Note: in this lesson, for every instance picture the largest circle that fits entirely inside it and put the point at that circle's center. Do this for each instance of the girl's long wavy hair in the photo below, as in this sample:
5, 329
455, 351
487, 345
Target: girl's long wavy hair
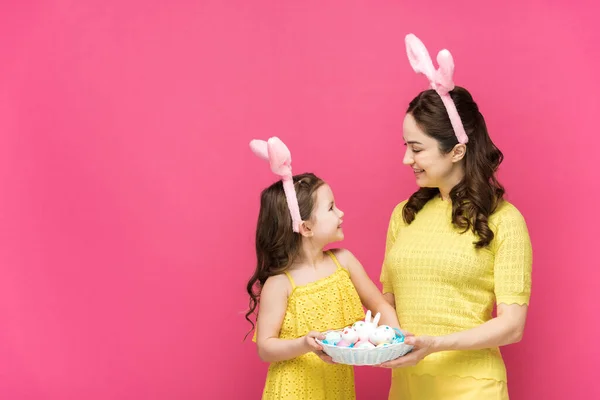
478, 194
277, 245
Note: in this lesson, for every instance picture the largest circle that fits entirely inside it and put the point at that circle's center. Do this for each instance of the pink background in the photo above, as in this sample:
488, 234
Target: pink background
129, 195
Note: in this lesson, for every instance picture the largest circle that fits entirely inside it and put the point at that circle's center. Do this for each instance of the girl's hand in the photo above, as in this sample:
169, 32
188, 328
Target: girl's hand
422, 347
312, 345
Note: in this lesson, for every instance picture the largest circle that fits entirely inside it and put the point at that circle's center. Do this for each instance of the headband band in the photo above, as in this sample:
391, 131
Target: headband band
440, 79
280, 159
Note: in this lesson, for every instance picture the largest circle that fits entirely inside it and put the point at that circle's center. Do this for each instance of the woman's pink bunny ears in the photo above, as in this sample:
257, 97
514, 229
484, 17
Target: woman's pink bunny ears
440, 79
279, 157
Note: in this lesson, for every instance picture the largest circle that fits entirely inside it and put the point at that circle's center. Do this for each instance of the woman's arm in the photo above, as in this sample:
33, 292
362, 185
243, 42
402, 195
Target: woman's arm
390, 240
273, 303
369, 294
506, 328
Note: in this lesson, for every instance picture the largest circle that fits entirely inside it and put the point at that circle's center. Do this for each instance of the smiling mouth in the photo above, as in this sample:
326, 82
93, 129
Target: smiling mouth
418, 171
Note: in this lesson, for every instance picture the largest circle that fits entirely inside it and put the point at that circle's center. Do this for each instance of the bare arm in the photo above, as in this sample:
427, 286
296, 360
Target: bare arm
273, 303
369, 294
390, 298
512, 256
506, 328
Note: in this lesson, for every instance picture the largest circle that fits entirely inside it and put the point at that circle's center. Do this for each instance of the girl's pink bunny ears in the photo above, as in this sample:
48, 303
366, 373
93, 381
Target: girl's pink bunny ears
440, 79
279, 157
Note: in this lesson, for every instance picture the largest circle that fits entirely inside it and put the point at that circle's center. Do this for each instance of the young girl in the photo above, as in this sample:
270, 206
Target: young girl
304, 290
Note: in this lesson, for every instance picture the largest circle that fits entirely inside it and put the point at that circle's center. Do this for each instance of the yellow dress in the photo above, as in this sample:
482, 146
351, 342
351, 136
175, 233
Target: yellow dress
326, 304
442, 284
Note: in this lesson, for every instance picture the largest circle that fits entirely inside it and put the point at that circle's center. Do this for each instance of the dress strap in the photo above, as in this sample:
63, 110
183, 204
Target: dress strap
291, 280
334, 258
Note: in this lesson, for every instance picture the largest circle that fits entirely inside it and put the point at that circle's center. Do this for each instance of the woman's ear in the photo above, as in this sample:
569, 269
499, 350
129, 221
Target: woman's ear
458, 152
305, 229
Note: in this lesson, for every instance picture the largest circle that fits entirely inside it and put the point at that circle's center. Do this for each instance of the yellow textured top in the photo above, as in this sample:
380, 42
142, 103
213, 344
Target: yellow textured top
327, 304
443, 284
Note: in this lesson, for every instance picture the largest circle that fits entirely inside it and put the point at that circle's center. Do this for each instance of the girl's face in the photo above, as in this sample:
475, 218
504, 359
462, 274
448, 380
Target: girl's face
431, 167
326, 226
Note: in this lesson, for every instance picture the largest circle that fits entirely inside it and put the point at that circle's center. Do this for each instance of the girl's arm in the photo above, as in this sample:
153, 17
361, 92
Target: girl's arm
506, 328
369, 294
273, 303
389, 297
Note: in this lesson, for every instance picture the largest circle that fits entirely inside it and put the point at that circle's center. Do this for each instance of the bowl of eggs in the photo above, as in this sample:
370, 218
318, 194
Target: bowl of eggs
365, 343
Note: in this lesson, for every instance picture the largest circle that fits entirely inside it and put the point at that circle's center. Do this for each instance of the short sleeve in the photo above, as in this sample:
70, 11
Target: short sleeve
393, 226
513, 258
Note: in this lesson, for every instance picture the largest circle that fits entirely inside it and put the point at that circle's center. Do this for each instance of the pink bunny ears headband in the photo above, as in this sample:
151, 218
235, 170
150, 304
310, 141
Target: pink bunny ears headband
279, 157
440, 79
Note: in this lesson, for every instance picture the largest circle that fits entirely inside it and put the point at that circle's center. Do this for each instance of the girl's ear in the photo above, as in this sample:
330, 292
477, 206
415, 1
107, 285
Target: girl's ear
305, 229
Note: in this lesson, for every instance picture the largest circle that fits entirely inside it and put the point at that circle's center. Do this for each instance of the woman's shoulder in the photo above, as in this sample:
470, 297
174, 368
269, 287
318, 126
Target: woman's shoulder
506, 212
397, 210
506, 208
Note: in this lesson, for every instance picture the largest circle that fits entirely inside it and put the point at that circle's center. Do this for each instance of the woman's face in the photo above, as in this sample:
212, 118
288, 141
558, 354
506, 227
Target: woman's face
431, 167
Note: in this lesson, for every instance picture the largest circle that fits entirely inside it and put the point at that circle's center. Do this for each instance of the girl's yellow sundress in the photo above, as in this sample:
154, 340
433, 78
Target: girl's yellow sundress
329, 303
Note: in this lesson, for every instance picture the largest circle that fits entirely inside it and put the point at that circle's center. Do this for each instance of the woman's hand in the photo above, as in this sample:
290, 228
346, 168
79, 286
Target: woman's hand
312, 345
422, 347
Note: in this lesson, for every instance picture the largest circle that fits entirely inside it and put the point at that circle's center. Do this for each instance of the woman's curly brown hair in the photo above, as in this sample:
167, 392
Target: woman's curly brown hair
478, 194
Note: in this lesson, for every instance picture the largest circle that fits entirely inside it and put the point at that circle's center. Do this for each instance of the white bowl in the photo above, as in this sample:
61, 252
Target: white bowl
373, 356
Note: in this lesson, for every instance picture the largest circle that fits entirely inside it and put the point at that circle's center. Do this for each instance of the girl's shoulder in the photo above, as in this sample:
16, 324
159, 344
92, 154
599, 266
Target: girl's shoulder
278, 284
340, 255
346, 259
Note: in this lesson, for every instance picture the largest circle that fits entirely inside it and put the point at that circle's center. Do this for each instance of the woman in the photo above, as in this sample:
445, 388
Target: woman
454, 249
